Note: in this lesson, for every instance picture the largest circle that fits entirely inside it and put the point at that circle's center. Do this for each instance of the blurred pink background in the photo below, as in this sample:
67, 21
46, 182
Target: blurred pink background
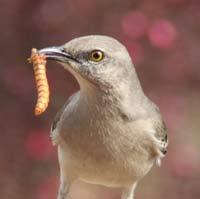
163, 39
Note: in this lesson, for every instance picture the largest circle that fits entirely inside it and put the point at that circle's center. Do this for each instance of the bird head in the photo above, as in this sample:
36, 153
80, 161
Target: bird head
100, 61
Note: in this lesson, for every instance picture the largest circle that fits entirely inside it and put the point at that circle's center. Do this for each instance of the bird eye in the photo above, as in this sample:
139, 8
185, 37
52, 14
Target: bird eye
96, 56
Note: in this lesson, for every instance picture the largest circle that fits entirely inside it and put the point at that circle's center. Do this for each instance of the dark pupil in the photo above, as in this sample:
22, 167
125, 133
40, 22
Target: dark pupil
96, 55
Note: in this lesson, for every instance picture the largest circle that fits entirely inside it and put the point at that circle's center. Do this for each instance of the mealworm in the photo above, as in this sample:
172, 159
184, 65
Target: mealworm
39, 67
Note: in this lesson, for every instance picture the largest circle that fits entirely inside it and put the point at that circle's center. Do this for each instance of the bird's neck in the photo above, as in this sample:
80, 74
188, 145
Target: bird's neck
125, 98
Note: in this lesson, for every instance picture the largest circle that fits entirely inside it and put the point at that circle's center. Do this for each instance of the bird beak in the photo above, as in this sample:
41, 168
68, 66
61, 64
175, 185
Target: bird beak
57, 54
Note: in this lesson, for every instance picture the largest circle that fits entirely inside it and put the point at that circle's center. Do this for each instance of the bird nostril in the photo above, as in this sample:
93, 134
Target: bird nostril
62, 49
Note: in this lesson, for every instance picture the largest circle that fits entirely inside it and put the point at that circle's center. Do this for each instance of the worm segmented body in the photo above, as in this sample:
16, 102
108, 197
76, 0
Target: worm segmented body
39, 66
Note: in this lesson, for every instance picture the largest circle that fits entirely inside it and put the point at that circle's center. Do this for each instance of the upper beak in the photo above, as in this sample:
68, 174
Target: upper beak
57, 54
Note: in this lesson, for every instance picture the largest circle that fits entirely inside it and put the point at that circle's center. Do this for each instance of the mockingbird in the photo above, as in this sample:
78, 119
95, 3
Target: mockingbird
108, 133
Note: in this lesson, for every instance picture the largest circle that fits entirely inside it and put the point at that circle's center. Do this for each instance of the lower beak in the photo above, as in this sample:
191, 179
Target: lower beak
57, 54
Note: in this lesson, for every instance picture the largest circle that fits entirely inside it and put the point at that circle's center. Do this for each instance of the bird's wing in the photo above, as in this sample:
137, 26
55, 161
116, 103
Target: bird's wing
161, 136
54, 135
161, 139
155, 128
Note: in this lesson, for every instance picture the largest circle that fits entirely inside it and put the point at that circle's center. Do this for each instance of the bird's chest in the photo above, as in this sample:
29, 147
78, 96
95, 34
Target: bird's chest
86, 128
89, 145
86, 137
86, 145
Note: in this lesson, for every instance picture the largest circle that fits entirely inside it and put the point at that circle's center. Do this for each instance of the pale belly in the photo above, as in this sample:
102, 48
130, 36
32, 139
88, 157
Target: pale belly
100, 169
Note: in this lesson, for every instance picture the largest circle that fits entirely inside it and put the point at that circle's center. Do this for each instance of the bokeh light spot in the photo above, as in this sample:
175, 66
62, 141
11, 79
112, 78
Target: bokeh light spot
134, 24
162, 34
